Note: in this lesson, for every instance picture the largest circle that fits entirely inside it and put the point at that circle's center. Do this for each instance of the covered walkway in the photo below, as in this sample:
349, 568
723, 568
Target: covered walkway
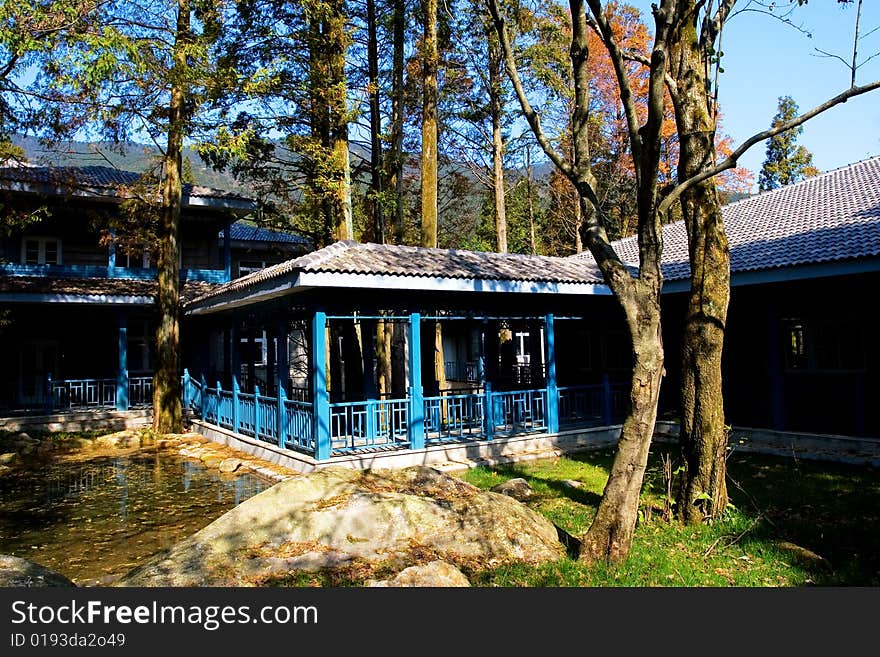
346, 351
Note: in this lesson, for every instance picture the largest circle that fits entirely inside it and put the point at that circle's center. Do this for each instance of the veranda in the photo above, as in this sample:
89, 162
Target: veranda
297, 364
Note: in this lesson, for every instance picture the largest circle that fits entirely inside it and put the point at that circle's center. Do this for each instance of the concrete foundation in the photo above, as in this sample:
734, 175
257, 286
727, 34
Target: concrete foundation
811, 446
79, 421
446, 457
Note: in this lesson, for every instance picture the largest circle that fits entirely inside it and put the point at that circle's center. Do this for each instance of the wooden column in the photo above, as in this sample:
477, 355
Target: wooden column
122, 363
321, 399
416, 427
552, 391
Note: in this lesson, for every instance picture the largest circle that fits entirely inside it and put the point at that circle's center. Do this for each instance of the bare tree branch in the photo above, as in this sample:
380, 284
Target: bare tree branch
532, 117
731, 161
626, 96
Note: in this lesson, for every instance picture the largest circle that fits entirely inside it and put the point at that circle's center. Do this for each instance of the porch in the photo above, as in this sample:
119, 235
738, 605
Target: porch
366, 349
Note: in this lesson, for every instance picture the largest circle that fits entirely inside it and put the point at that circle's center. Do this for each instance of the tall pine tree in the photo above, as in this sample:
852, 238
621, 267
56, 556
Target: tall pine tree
786, 161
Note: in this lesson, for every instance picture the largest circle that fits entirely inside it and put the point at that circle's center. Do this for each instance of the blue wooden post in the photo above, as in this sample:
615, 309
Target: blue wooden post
489, 410
187, 390
282, 374
606, 399
235, 363
204, 400
416, 427
236, 415
321, 400
256, 411
227, 254
552, 390
122, 366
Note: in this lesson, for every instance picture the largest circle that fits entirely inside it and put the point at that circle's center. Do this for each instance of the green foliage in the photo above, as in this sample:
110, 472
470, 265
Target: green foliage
826, 508
786, 162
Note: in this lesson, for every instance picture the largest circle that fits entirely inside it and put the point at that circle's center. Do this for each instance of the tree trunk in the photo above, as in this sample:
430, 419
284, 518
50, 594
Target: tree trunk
703, 437
531, 207
383, 356
495, 109
610, 535
167, 411
377, 218
429, 126
439, 358
397, 109
337, 42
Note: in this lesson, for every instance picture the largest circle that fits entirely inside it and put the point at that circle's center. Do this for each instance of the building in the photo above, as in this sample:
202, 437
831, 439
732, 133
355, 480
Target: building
79, 314
285, 358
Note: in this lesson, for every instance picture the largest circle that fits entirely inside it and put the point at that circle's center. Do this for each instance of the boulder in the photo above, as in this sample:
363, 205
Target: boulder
374, 516
435, 573
517, 488
21, 573
230, 465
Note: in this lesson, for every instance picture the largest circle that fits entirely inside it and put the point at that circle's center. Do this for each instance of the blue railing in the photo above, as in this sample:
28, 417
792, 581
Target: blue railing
382, 424
462, 371
252, 414
71, 394
298, 421
451, 418
106, 271
581, 404
371, 424
519, 411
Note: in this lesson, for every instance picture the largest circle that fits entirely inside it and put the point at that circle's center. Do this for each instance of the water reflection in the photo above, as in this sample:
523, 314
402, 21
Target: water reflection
102, 517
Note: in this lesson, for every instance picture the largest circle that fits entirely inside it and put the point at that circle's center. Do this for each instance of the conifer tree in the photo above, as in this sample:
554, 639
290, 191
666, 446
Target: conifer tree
786, 162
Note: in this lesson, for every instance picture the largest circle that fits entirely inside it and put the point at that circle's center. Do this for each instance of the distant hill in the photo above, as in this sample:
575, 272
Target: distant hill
128, 156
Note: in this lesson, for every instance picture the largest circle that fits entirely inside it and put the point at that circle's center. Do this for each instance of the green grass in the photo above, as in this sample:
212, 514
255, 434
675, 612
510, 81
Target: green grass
828, 509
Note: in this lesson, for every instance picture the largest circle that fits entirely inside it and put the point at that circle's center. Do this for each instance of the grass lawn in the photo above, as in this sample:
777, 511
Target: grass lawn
793, 523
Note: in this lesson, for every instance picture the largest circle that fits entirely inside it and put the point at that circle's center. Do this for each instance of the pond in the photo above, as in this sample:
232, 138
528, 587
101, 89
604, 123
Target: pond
95, 520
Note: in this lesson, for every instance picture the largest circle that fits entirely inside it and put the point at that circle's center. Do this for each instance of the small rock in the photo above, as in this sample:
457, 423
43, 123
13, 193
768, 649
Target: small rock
212, 461
517, 488
4, 469
572, 483
803, 555
230, 465
9, 458
21, 573
25, 438
435, 573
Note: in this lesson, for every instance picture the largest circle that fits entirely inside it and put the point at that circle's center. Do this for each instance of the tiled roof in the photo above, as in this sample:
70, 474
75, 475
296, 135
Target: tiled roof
830, 217
245, 232
127, 287
348, 257
97, 180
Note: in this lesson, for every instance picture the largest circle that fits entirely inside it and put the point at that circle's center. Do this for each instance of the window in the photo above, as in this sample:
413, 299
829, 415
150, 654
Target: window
250, 266
136, 258
258, 356
824, 345
41, 251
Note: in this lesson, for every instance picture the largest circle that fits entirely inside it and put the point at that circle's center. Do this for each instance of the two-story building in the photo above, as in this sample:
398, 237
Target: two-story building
77, 304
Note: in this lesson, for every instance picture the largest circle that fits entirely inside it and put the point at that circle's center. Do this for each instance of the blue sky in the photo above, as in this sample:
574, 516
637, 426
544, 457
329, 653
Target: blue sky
764, 59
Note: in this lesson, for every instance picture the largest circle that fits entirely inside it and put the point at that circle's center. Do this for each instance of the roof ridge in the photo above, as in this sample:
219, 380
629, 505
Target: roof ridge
799, 183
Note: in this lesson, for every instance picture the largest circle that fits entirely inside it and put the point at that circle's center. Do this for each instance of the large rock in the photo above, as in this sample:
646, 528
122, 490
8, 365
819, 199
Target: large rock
21, 573
377, 515
517, 488
435, 573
